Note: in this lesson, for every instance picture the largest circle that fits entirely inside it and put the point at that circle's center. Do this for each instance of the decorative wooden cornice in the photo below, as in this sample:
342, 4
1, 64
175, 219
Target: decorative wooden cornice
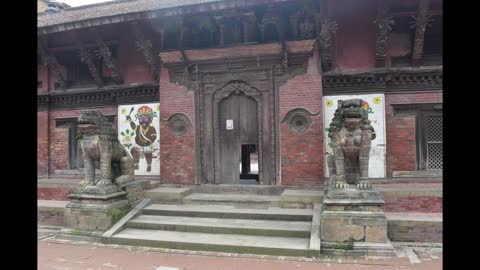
383, 80
111, 96
51, 62
384, 21
420, 25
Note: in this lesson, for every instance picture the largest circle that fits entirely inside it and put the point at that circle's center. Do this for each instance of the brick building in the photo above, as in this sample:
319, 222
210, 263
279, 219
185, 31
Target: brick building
267, 71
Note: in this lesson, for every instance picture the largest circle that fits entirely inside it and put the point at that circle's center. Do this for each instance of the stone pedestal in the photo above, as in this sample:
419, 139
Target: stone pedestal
352, 222
93, 210
135, 192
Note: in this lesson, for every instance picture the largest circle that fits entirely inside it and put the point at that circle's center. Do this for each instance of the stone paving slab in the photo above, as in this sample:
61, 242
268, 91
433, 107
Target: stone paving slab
72, 255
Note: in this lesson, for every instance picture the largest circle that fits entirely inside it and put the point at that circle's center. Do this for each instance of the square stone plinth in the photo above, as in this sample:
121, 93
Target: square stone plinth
95, 208
345, 226
352, 216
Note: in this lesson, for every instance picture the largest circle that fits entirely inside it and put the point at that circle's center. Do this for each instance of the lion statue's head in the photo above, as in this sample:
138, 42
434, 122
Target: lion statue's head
93, 122
350, 114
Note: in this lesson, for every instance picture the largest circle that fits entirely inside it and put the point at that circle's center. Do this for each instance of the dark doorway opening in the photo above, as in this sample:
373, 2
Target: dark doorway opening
249, 164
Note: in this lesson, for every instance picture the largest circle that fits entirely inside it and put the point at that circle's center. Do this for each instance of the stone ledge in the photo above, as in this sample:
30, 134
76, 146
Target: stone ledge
51, 212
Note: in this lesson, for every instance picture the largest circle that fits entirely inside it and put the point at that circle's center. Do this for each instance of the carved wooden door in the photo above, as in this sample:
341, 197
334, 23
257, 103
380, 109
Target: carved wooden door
238, 124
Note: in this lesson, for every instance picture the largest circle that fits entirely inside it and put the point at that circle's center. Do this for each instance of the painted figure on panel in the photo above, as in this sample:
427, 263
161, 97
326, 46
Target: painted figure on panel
145, 135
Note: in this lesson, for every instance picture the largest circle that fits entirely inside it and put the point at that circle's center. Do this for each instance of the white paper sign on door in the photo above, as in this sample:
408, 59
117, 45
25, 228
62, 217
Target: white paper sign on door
229, 124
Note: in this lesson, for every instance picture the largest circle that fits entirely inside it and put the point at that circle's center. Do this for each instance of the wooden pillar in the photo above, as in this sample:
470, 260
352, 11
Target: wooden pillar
421, 21
248, 19
220, 20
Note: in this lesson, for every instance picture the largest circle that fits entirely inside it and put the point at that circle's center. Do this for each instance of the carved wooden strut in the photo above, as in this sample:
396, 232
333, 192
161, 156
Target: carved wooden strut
146, 48
51, 62
421, 22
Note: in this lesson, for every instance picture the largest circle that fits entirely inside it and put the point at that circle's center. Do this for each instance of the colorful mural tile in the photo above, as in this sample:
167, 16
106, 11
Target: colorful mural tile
139, 132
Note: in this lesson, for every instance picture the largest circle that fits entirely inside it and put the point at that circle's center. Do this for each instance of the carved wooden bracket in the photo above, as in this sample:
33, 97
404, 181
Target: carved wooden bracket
105, 53
383, 22
421, 22
87, 57
50, 61
328, 28
146, 48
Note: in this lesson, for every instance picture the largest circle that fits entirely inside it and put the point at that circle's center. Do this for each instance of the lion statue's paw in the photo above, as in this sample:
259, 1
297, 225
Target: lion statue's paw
364, 185
86, 182
104, 182
340, 185
123, 179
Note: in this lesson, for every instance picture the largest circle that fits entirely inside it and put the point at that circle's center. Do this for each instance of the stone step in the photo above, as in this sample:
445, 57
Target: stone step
228, 211
232, 243
415, 226
167, 194
225, 226
233, 199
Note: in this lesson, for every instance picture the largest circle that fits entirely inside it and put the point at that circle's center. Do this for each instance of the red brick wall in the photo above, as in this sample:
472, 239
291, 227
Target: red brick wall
42, 143
425, 204
59, 137
302, 154
401, 130
56, 194
42, 75
131, 62
355, 37
177, 154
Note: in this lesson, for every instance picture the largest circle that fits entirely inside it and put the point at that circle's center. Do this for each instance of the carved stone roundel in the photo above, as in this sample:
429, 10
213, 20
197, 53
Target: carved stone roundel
178, 124
298, 120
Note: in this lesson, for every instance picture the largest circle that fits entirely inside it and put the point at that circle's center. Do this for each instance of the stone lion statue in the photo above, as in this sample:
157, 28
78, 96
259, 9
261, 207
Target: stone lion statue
99, 142
351, 135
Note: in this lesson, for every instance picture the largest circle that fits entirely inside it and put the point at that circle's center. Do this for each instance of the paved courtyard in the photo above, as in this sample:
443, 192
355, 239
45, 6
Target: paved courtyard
78, 255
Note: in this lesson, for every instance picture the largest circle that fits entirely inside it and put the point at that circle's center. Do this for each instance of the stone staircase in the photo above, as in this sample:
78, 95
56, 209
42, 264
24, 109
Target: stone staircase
235, 223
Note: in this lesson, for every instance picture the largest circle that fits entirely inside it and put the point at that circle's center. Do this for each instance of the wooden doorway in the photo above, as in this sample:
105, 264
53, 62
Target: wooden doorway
238, 127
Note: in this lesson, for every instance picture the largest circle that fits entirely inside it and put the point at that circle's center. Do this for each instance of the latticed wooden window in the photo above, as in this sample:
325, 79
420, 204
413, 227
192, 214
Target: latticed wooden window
434, 141
430, 139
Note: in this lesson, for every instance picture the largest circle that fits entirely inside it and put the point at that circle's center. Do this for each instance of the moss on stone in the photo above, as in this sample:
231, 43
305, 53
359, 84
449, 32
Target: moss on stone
116, 214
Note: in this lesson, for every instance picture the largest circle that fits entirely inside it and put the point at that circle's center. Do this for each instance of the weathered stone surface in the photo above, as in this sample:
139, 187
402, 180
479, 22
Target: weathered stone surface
376, 234
339, 230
